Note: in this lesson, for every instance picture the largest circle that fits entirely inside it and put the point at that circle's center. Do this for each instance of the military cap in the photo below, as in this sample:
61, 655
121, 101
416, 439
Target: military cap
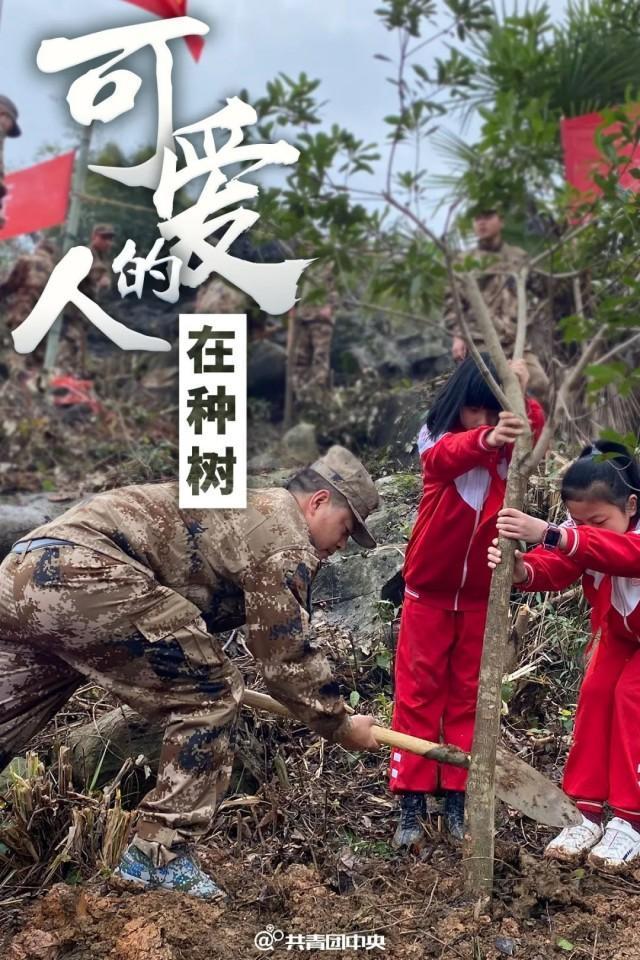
104, 230
347, 476
8, 106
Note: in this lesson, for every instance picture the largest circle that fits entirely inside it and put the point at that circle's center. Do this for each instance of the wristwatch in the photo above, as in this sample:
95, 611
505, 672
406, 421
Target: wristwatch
551, 537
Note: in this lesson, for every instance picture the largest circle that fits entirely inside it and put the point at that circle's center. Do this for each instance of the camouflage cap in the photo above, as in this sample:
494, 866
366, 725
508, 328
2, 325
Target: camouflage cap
104, 230
8, 106
345, 473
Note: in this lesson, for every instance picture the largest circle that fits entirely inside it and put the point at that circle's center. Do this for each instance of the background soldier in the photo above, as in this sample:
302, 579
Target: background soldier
86, 596
20, 292
8, 128
311, 363
216, 296
498, 287
99, 283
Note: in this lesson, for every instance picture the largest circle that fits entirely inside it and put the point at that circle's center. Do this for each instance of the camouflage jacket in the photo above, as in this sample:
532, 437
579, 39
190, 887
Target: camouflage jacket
24, 285
252, 566
214, 296
99, 282
320, 279
498, 289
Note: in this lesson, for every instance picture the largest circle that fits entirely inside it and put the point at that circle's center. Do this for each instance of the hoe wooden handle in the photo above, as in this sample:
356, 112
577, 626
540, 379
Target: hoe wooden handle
425, 748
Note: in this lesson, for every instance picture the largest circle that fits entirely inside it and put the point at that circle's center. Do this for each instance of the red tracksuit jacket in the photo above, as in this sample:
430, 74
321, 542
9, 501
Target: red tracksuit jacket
603, 765
464, 486
609, 564
447, 587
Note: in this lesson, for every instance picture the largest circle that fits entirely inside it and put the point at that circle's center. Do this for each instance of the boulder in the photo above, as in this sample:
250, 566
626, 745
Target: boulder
299, 446
266, 369
393, 348
349, 590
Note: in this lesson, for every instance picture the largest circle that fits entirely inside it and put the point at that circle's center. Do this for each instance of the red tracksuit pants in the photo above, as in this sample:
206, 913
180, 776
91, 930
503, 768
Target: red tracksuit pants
436, 686
604, 762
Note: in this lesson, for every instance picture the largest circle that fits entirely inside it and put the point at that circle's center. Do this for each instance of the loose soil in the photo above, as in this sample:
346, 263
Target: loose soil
316, 860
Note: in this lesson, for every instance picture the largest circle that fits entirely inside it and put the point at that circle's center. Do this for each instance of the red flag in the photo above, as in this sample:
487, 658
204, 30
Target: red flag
37, 197
582, 158
172, 8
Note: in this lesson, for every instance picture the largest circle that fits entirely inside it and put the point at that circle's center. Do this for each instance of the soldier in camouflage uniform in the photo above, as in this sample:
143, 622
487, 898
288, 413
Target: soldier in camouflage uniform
19, 294
128, 590
8, 128
498, 286
99, 283
98, 286
311, 371
215, 296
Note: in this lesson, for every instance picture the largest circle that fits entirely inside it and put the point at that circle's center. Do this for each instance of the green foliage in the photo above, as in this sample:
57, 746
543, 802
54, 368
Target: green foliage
129, 209
528, 74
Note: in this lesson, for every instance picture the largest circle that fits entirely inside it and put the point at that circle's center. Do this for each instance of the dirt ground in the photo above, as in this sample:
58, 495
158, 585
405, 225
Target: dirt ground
317, 860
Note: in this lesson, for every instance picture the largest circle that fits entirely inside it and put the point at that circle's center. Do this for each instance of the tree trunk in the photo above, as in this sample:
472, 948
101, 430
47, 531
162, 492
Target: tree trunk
480, 806
479, 835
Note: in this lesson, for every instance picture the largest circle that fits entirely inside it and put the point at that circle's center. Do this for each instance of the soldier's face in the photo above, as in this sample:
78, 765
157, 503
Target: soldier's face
6, 122
103, 242
330, 526
487, 225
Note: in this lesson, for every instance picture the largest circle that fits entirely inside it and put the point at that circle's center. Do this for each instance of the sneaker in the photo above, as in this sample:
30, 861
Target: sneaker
410, 832
619, 847
573, 842
183, 874
454, 813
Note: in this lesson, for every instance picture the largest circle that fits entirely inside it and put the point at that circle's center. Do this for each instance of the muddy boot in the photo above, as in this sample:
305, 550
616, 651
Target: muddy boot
410, 832
454, 813
182, 875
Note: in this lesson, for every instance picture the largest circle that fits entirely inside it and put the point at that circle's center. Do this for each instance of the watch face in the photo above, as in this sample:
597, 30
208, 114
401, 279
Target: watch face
552, 536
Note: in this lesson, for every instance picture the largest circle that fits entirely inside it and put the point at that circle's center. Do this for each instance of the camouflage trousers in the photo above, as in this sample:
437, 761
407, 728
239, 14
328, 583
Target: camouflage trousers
312, 356
69, 614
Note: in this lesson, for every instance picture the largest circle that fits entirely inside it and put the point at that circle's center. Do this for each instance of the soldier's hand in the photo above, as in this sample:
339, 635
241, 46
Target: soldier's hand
326, 312
521, 371
458, 348
358, 735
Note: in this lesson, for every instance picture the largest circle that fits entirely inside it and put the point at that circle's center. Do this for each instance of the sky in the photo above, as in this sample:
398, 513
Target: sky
250, 42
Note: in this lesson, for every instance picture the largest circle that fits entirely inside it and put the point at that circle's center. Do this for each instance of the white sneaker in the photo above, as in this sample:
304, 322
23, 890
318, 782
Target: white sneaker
619, 847
573, 842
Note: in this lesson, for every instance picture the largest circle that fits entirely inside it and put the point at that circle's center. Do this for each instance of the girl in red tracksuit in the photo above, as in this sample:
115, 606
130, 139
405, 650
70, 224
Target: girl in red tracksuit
465, 448
601, 544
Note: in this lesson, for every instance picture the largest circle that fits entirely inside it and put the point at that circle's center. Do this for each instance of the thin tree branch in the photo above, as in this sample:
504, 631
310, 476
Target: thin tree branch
561, 243
354, 301
619, 347
568, 383
521, 320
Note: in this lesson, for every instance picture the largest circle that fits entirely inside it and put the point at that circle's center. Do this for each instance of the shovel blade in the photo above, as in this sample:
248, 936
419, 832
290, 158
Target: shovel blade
529, 792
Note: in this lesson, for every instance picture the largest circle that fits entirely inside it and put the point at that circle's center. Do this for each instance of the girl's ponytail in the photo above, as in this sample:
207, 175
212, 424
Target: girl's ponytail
605, 469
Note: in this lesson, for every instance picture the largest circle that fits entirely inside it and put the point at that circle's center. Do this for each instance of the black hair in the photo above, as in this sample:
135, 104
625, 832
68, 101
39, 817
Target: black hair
604, 471
465, 388
308, 481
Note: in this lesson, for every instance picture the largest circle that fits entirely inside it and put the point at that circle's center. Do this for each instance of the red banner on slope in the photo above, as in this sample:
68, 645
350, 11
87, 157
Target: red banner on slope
37, 197
582, 158
172, 8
